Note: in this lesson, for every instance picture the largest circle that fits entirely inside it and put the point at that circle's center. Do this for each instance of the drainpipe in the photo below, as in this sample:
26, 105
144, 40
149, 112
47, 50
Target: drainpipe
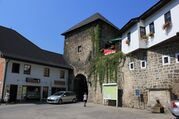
4, 81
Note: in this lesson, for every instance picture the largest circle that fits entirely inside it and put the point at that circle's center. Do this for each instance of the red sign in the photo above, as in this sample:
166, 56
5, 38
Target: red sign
108, 51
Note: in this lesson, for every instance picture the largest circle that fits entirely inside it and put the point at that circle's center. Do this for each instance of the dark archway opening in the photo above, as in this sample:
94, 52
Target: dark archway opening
80, 86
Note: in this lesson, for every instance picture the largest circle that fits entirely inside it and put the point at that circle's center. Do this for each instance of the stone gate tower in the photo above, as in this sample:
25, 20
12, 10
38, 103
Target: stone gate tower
79, 51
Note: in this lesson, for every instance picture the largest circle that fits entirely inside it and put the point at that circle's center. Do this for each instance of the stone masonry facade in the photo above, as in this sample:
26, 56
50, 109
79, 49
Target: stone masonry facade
82, 38
156, 81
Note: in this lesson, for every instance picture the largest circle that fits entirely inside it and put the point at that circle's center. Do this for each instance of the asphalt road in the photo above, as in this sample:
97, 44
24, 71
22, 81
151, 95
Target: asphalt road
74, 111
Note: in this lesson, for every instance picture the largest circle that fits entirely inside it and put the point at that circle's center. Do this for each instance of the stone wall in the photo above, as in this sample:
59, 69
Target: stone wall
134, 80
81, 60
157, 81
163, 77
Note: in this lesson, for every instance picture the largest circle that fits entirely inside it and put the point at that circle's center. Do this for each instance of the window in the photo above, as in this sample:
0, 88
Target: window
62, 74
67, 94
167, 17
142, 32
143, 64
168, 21
27, 69
131, 65
79, 48
128, 38
166, 60
177, 57
15, 68
152, 28
46, 72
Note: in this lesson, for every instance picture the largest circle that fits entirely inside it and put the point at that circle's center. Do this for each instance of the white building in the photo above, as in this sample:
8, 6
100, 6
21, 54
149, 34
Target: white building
28, 72
151, 42
156, 25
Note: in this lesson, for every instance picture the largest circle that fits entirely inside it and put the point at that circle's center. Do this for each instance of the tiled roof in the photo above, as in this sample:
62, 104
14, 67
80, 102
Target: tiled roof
14, 46
145, 15
89, 20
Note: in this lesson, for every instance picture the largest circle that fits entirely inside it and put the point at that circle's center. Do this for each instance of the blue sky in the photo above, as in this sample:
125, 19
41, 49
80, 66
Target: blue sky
43, 21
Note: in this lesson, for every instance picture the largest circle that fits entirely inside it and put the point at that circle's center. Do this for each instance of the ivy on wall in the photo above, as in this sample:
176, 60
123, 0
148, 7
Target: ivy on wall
103, 68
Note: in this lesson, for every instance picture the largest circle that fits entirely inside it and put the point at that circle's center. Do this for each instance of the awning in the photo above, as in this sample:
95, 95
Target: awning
115, 40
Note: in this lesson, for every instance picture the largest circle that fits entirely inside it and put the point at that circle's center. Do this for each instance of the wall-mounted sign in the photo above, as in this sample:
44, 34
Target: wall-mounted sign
137, 92
32, 80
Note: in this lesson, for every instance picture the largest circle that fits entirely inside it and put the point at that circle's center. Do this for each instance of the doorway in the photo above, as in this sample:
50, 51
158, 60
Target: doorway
120, 94
13, 93
33, 93
80, 86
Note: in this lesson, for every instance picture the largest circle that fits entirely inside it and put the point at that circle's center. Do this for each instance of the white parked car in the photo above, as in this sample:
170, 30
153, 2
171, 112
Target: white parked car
174, 108
62, 96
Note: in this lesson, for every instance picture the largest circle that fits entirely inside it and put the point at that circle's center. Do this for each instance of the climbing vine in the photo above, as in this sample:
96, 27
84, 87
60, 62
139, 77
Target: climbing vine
103, 68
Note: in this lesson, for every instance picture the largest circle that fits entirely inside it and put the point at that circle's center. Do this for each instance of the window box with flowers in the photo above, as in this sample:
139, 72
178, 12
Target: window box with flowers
128, 38
151, 29
167, 25
127, 42
151, 34
168, 20
144, 37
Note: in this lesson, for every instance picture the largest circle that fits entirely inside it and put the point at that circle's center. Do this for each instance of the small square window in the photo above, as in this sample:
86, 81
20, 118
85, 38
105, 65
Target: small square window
15, 68
80, 48
46, 72
131, 65
27, 69
143, 64
177, 57
62, 74
166, 60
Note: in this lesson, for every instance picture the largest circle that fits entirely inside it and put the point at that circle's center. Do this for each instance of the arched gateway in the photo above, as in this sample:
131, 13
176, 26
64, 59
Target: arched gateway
80, 86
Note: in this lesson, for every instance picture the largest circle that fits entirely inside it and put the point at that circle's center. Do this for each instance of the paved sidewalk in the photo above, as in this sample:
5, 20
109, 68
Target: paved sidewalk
74, 111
